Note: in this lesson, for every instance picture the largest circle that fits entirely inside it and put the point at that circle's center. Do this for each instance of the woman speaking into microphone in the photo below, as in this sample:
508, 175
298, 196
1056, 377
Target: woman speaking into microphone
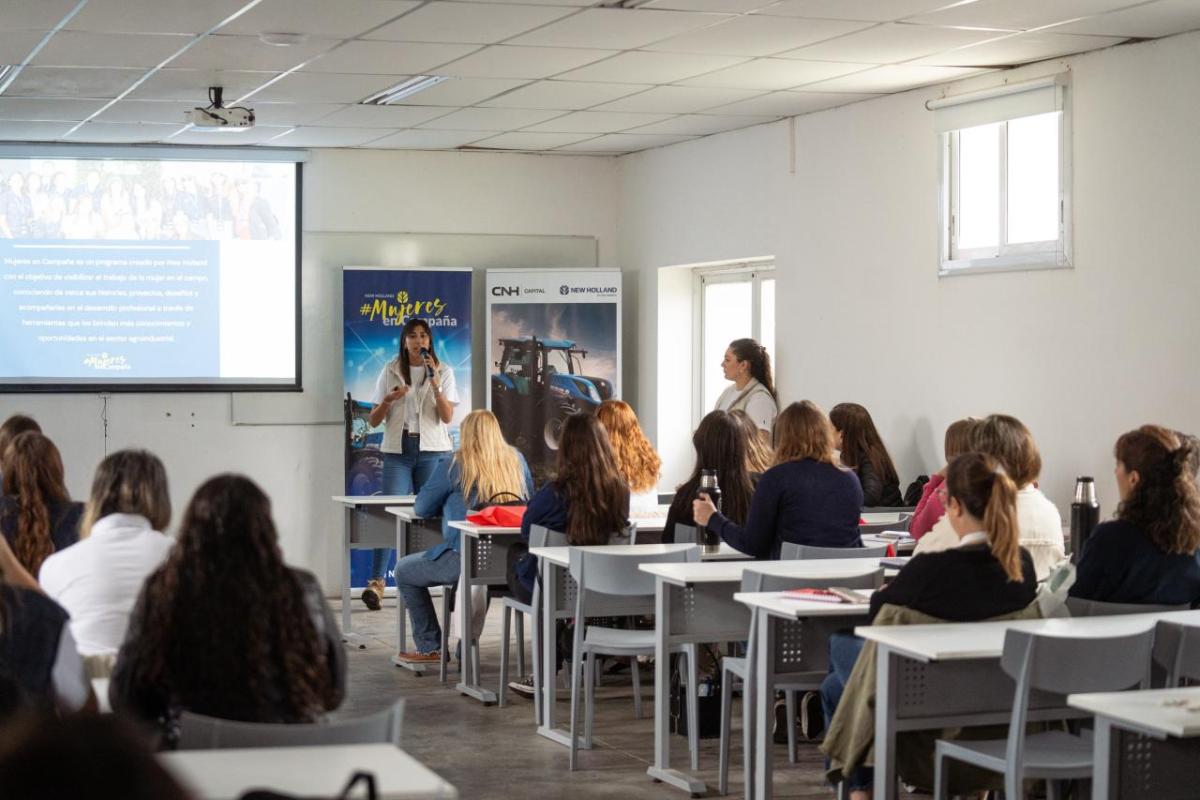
415, 395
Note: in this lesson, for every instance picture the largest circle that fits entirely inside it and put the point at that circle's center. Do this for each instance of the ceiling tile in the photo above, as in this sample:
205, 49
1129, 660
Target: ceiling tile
429, 140
329, 137
26, 108
678, 99
339, 20
504, 61
191, 85
1162, 18
1017, 15
701, 124
526, 140
460, 92
865, 10
76, 49
644, 67
598, 122
565, 95
790, 104
219, 51
123, 132
388, 58
479, 23
773, 73
256, 135
151, 16
359, 116
34, 131
1020, 49
618, 29
15, 46
895, 78
722, 6
619, 143
888, 44
25, 15
489, 119
67, 82
321, 87
754, 35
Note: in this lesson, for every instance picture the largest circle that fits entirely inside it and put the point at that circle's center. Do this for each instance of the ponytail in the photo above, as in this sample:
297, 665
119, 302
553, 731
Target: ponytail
1165, 504
760, 362
986, 492
33, 474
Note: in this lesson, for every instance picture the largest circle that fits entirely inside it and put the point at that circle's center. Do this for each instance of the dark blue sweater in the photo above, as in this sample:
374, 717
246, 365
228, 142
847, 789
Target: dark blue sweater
1120, 564
806, 502
548, 509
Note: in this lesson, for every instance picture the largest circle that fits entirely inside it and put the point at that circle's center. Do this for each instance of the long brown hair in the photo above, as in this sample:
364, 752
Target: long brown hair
1006, 439
33, 475
760, 362
635, 456
760, 457
720, 446
225, 628
803, 431
979, 482
861, 442
588, 481
958, 437
129, 482
14, 425
1165, 503
411, 325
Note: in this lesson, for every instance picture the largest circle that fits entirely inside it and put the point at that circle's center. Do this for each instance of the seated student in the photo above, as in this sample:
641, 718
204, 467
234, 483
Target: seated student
635, 456
759, 455
988, 574
805, 498
39, 664
225, 628
1008, 441
1149, 553
720, 445
14, 426
484, 469
862, 450
37, 515
98, 579
929, 508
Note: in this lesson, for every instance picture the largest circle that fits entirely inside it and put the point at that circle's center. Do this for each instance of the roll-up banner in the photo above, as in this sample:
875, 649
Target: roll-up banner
376, 302
553, 349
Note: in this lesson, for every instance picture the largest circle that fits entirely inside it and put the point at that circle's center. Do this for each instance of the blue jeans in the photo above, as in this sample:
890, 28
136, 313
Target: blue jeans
403, 473
843, 653
414, 575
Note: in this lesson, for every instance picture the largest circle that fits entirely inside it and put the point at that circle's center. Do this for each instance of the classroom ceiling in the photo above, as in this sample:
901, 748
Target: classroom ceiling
561, 76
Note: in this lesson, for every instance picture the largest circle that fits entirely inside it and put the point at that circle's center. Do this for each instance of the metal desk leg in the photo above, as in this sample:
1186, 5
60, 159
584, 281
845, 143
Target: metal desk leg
661, 770
470, 679
764, 702
1102, 773
749, 757
887, 669
348, 634
554, 577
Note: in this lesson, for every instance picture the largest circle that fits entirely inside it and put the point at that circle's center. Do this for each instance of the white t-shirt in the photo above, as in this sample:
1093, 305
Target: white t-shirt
756, 401
70, 682
98, 579
643, 502
416, 407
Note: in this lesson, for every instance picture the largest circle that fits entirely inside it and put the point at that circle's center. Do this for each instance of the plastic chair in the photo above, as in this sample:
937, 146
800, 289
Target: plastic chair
1177, 650
789, 551
813, 669
686, 534
604, 577
201, 732
1095, 608
1060, 665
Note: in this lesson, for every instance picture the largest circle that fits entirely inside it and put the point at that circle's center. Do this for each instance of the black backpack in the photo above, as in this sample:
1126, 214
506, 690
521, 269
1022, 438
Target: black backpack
912, 495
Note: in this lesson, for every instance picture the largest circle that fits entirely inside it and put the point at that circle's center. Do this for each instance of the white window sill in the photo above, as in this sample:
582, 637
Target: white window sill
1011, 263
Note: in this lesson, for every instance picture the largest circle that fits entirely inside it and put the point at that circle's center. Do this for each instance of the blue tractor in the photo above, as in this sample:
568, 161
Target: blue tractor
538, 385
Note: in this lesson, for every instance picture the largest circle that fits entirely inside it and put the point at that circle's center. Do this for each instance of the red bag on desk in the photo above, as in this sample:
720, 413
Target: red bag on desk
500, 513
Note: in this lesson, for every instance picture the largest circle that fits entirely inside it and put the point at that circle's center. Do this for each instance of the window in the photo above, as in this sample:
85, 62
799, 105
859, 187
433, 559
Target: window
735, 302
1005, 202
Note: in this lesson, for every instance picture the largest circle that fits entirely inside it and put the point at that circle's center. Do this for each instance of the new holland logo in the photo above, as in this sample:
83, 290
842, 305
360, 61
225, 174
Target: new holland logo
564, 289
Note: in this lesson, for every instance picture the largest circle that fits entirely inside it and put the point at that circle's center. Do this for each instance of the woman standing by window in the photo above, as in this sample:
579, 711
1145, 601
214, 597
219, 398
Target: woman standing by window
747, 364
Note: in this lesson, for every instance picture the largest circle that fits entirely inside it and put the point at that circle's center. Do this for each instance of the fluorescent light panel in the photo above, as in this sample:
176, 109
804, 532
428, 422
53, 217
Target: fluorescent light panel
417, 83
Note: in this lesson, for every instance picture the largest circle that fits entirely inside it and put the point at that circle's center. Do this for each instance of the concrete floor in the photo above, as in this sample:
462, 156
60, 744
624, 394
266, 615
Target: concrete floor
491, 752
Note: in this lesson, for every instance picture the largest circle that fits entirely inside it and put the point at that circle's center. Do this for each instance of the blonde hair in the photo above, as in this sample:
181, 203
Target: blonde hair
979, 482
759, 455
487, 465
636, 460
129, 482
803, 431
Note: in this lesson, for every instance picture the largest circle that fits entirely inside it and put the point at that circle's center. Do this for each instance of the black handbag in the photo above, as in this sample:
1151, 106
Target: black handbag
345, 794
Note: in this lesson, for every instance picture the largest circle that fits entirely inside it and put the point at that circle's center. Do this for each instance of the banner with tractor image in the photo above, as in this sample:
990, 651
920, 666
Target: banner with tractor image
553, 349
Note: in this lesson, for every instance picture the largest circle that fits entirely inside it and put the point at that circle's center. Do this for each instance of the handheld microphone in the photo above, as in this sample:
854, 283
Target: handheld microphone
428, 368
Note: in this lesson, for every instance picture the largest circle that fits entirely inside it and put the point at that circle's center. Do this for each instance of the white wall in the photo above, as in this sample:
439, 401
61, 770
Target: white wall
1080, 355
300, 466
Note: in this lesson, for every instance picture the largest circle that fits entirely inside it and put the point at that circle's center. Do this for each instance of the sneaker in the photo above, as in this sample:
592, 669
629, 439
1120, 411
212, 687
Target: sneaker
421, 658
523, 687
372, 596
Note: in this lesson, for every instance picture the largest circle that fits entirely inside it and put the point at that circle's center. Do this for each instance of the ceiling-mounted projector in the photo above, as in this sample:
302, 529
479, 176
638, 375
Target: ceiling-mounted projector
216, 116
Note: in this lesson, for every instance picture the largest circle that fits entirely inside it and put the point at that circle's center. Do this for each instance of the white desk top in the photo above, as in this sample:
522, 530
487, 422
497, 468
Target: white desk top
561, 556
880, 517
303, 771
875, 540
776, 604
375, 499
731, 571
405, 513
961, 640
471, 529
1147, 710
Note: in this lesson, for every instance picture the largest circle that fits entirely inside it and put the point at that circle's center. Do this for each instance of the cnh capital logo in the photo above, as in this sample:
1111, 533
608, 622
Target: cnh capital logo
506, 291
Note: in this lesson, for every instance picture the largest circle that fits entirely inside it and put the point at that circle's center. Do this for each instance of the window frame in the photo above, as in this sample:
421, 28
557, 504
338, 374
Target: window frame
1050, 254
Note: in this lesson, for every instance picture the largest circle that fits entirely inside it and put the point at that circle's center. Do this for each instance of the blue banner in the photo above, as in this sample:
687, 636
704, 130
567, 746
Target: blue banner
376, 302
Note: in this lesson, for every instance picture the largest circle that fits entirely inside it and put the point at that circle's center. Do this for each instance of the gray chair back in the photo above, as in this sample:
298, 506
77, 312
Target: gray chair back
541, 536
686, 534
789, 551
883, 527
1095, 608
618, 574
200, 732
1177, 650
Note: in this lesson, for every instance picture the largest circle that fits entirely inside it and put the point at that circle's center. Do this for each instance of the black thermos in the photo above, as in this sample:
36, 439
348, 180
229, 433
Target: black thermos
1085, 514
710, 487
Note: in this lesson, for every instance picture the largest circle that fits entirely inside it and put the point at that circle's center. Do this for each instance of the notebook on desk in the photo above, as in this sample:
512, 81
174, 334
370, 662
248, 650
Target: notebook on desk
834, 594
